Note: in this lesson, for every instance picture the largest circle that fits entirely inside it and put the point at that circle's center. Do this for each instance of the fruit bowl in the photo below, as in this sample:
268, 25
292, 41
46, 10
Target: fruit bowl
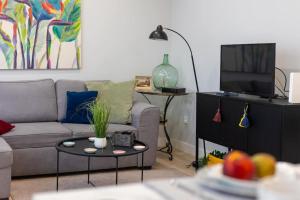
213, 179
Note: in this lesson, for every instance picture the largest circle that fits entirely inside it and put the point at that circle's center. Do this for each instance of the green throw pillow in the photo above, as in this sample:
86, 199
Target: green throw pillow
119, 96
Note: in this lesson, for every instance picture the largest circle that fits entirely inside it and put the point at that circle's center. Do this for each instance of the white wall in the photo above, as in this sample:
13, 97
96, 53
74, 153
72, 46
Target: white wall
209, 23
115, 41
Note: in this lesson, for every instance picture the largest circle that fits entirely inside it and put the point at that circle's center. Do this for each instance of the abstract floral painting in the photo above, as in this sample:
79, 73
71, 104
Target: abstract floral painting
40, 34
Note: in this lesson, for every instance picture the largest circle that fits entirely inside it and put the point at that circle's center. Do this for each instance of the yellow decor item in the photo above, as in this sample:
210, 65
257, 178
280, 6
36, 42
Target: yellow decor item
118, 96
212, 160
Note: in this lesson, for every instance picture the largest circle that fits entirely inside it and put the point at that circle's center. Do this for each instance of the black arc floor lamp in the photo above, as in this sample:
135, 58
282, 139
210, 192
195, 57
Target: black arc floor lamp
160, 34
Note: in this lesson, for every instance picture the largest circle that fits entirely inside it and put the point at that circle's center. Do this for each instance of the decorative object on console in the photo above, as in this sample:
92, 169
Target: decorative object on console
5, 127
213, 158
294, 91
118, 96
77, 110
99, 120
165, 75
125, 139
218, 116
244, 122
50, 36
143, 83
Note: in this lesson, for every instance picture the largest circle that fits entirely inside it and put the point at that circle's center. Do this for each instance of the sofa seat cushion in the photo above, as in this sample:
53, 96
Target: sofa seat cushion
35, 135
6, 155
85, 130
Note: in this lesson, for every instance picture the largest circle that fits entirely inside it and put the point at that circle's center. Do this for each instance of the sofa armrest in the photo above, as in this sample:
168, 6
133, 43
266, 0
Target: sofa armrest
145, 117
5, 154
6, 160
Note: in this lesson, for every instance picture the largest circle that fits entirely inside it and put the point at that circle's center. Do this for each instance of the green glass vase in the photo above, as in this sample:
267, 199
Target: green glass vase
165, 75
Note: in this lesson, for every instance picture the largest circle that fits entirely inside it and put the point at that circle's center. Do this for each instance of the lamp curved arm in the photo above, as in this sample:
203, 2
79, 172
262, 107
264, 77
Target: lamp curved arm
192, 56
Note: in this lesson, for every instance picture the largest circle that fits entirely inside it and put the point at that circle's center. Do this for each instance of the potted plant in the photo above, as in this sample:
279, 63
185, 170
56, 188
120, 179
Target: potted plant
100, 113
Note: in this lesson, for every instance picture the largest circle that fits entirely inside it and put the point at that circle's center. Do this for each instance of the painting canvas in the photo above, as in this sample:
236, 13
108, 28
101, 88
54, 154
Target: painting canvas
40, 34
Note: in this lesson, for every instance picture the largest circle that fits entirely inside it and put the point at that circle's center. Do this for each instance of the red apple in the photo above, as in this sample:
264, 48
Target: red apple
239, 165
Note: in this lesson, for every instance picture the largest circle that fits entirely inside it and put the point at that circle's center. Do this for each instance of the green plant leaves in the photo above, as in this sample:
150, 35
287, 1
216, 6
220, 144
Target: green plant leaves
71, 14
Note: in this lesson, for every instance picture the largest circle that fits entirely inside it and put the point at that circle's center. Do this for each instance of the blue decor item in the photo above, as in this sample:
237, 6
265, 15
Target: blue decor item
77, 110
244, 122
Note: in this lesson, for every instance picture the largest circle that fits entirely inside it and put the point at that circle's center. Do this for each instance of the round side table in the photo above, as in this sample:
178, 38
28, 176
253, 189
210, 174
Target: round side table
168, 148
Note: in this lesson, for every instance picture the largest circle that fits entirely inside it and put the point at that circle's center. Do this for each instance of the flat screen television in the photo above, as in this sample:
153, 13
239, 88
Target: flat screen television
248, 69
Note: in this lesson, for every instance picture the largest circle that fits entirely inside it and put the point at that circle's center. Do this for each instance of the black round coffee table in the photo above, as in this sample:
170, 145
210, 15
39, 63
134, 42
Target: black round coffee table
83, 142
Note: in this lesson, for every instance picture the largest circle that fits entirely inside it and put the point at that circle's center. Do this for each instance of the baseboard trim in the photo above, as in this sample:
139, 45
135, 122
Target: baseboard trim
187, 147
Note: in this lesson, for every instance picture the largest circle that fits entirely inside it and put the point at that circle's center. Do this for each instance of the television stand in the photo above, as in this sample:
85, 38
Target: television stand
274, 126
227, 94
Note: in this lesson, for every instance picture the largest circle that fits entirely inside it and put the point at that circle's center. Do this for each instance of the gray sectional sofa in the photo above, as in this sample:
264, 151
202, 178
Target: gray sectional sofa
36, 109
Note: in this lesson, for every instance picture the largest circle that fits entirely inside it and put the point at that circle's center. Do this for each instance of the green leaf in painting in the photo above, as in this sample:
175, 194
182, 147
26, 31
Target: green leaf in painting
17, 12
40, 45
71, 14
7, 48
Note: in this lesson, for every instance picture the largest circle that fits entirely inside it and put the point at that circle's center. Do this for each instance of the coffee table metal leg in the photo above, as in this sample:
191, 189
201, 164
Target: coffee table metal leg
117, 168
142, 177
89, 160
57, 170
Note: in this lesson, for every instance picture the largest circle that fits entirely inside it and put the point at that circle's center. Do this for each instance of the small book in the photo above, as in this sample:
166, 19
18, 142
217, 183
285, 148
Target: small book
173, 90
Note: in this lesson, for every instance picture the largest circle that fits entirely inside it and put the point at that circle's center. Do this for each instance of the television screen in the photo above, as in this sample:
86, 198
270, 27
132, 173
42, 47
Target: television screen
248, 68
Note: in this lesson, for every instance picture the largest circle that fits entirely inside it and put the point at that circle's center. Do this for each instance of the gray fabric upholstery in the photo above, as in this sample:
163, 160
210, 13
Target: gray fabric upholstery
6, 160
42, 134
145, 118
6, 156
28, 101
145, 121
44, 160
62, 86
5, 180
85, 130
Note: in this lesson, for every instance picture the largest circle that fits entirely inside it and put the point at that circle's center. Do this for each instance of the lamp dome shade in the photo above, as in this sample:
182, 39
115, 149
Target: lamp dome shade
158, 34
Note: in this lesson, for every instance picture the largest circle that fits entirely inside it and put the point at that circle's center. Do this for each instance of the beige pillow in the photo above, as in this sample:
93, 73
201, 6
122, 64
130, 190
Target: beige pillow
119, 96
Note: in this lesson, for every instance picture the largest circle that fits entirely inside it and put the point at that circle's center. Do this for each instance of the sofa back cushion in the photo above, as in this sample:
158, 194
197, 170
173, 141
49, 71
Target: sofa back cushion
28, 101
62, 86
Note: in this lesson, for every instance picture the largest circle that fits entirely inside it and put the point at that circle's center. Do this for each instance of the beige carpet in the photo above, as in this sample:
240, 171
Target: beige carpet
23, 189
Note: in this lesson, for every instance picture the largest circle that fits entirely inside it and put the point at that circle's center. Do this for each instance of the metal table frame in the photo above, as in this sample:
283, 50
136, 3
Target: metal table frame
168, 148
89, 162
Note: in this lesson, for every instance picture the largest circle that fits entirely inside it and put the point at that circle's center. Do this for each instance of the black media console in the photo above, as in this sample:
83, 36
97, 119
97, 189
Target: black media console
275, 126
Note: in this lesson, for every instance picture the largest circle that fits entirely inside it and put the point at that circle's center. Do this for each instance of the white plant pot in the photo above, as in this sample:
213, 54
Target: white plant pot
100, 143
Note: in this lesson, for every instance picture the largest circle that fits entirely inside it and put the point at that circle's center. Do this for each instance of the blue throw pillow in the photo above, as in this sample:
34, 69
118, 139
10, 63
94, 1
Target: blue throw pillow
77, 107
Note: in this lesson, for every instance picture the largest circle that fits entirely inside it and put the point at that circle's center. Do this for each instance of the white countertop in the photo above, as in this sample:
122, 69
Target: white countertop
157, 190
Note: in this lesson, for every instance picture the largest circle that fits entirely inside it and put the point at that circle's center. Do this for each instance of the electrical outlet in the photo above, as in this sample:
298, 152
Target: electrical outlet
185, 119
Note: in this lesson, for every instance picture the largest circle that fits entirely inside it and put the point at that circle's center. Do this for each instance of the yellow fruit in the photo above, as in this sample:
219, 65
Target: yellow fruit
265, 165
